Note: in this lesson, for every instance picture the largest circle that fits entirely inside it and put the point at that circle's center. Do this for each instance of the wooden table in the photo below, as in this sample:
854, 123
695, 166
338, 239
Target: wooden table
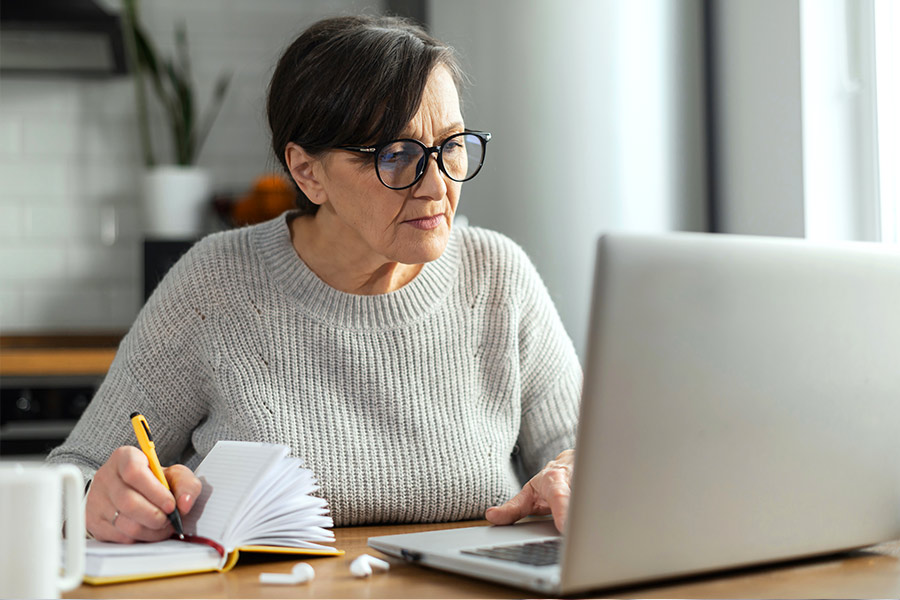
871, 573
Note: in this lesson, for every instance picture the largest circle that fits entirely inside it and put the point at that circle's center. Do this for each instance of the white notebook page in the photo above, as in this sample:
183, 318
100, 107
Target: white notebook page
229, 473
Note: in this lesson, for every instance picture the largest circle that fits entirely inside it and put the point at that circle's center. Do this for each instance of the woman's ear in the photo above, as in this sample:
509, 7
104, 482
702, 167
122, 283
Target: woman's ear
306, 171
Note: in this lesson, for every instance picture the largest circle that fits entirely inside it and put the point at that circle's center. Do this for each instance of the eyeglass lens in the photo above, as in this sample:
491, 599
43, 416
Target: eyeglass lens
401, 163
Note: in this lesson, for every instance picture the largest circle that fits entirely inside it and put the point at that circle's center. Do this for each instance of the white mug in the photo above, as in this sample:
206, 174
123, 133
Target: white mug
31, 529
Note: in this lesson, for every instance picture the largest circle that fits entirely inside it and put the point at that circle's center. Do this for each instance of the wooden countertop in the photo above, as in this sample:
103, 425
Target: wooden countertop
870, 573
57, 355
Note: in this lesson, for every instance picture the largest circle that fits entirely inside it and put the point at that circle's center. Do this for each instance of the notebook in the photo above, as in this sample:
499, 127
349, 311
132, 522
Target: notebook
740, 406
255, 498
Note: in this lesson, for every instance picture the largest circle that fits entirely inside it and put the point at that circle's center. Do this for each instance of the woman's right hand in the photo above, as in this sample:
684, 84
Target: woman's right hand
126, 503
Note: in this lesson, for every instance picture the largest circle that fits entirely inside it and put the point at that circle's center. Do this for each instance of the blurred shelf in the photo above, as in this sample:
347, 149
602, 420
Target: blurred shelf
56, 355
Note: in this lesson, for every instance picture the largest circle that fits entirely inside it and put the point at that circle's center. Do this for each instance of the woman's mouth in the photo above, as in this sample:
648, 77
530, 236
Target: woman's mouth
426, 223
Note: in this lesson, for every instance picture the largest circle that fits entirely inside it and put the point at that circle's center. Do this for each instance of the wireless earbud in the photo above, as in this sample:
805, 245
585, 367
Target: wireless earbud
363, 565
301, 573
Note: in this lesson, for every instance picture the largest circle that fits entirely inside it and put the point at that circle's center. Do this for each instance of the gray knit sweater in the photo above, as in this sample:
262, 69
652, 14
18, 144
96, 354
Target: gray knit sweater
420, 405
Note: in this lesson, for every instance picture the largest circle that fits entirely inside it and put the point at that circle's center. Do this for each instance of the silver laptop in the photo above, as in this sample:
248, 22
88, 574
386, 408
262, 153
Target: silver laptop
741, 405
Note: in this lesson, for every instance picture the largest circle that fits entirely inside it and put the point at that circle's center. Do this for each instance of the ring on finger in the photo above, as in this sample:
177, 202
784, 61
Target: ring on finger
115, 516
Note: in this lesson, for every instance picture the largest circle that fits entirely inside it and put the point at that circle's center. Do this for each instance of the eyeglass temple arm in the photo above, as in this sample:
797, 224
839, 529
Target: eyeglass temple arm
366, 149
484, 134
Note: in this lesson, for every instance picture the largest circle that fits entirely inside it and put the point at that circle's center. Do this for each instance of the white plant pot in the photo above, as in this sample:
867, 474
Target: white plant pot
176, 201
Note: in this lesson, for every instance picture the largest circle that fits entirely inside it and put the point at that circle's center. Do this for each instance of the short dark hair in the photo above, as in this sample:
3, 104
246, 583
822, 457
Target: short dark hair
351, 80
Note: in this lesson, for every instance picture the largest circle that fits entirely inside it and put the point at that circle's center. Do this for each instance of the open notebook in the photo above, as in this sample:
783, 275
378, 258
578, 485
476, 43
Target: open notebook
255, 498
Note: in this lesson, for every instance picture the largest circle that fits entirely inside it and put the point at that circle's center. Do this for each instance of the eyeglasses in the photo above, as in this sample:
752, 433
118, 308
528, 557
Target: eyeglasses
402, 163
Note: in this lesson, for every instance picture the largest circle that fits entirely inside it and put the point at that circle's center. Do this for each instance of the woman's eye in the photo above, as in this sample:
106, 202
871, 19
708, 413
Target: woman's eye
453, 145
393, 156
397, 158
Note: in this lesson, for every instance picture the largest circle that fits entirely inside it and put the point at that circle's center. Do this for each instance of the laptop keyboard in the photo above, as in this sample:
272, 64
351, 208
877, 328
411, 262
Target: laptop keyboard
533, 553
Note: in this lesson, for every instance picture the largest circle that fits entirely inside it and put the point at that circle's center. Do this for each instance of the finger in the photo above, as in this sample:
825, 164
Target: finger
519, 506
99, 515
136, 507
553, 489
185, 486
108, 524
134, 470
135, 531
101, 511
107, 532
141, 496
559, 507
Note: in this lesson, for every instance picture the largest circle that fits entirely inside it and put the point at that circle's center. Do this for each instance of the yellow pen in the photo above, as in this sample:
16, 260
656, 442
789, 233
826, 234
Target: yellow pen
145, 440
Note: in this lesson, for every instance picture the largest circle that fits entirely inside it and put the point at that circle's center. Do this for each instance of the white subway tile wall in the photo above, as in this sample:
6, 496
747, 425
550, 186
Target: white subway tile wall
70, 160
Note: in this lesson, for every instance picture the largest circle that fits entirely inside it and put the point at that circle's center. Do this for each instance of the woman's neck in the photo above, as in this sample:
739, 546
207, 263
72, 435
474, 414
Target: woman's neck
344, 266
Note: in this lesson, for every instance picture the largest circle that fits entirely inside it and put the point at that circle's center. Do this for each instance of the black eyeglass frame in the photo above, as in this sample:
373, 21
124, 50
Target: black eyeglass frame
484, 136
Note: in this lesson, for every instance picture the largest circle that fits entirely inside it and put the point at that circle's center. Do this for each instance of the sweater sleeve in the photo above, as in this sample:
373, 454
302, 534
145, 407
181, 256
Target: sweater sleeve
551, 375
163, 369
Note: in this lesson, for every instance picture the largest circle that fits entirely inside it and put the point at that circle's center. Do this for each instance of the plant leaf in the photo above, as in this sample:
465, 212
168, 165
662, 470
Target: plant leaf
212, 111
176, 120
181, 46
129, 22
183, 115
185, 94
148, 56
146, 52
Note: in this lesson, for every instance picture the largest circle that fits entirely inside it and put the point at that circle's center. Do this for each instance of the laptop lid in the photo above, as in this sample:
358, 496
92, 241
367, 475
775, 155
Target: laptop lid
741, 405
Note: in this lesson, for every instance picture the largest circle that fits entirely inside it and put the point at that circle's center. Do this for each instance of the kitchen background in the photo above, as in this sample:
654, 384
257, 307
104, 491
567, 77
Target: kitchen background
651, 115
727, 116
71, 170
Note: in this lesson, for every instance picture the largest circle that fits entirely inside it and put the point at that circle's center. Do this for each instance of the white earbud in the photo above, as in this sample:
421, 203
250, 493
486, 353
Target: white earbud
301, 573
362, 566
304, 571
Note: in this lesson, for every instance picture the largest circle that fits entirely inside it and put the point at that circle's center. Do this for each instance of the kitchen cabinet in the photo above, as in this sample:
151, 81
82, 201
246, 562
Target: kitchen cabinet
46, 382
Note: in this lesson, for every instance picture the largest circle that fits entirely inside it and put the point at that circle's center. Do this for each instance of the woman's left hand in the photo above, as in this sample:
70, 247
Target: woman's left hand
546, 493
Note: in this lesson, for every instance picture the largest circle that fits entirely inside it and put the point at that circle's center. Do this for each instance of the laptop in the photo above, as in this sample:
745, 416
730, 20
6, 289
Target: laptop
741, 406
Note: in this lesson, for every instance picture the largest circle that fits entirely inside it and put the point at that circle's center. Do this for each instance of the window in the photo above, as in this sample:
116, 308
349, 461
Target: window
851, 88
887, 100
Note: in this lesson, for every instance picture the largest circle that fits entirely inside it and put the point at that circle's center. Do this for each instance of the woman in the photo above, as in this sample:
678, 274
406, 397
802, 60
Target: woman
419, 369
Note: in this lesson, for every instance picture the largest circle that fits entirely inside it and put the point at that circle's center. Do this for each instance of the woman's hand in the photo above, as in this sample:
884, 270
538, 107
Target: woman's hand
546, 493
126, 503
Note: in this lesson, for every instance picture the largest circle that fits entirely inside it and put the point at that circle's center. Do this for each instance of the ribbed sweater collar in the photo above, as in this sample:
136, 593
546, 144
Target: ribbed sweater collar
414, 301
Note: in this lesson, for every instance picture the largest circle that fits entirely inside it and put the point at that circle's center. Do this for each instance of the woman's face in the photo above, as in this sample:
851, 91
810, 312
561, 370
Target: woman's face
409, 226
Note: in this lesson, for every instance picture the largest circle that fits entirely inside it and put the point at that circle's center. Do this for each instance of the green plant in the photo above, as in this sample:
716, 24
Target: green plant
172, 83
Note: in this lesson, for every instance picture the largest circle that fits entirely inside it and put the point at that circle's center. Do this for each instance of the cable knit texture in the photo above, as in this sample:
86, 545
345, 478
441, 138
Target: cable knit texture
420, 405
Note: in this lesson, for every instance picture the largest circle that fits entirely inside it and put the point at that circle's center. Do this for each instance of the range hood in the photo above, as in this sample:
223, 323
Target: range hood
60, 37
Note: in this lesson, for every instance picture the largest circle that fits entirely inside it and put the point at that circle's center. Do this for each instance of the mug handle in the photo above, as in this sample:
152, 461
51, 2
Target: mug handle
73, 488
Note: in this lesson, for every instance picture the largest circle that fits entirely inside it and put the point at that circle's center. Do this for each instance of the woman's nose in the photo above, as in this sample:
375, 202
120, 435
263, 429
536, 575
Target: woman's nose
432, 186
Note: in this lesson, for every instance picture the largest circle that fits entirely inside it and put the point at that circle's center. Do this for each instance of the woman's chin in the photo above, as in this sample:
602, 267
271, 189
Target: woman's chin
426, 249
